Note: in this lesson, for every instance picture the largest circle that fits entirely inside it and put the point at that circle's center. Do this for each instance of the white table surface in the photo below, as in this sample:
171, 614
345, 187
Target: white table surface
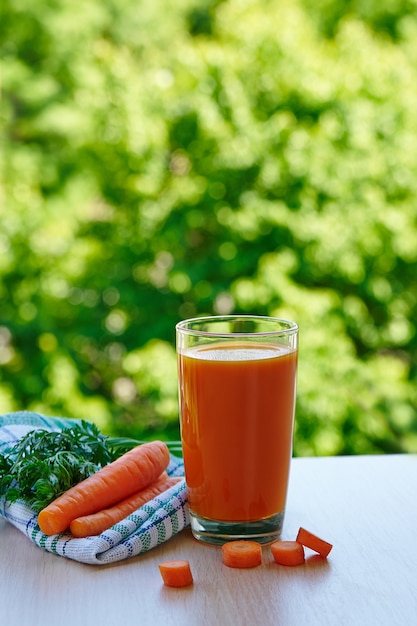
365, 505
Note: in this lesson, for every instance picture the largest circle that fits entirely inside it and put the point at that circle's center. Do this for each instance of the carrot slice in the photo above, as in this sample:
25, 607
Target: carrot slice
288, 552
309, 540
176, 573
96, 523
114, 482
242, 553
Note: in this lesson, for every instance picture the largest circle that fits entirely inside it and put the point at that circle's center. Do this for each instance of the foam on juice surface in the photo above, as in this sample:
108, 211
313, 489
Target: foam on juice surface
237, 352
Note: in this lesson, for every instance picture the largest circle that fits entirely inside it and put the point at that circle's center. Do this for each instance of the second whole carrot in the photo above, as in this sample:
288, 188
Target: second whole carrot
100, 521
131, 472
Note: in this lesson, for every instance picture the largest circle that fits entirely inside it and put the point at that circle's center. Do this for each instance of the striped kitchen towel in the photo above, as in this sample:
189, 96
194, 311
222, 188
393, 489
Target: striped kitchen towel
149, 526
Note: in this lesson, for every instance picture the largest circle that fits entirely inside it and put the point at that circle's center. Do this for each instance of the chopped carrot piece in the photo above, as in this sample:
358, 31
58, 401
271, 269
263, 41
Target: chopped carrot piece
242, 553
176, 573
288, 552
313, 542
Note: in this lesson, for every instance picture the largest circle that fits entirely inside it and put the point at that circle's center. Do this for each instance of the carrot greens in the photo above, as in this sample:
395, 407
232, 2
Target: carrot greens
43, 464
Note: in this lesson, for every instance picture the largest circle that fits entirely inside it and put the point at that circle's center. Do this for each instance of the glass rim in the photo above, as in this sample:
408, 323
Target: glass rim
182, 326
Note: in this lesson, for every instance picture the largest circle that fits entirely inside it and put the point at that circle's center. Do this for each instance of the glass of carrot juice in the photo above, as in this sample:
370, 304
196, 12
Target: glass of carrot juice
237, 386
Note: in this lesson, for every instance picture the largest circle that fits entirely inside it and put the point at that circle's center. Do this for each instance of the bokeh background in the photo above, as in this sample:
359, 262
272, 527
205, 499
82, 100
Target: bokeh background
162, 160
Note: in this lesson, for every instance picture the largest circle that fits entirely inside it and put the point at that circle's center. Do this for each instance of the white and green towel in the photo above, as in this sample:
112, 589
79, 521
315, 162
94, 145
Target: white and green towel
152, 524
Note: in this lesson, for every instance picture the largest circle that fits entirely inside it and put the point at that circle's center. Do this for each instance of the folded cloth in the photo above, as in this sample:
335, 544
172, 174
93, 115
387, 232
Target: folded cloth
150, 525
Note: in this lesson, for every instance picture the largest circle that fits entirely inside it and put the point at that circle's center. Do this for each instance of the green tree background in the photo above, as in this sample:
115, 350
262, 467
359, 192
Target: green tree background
170, 159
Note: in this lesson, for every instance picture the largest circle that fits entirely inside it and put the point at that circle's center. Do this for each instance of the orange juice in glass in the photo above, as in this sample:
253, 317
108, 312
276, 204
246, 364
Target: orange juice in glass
237, 384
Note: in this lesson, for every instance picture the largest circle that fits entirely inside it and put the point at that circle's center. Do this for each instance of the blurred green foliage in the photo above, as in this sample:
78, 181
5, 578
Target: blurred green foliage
169, 159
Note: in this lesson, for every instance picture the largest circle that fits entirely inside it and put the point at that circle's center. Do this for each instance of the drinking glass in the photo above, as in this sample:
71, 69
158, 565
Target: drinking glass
237, 386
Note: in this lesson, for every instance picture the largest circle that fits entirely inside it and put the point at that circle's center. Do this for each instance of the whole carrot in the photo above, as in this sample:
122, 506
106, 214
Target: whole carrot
96, 523
128, 474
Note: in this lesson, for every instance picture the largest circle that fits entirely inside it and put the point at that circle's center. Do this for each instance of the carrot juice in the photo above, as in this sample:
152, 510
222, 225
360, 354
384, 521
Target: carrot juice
237, 403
